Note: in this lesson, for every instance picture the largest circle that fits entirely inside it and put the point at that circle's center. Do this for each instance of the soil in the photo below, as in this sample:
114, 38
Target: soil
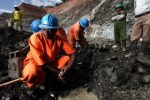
98, 69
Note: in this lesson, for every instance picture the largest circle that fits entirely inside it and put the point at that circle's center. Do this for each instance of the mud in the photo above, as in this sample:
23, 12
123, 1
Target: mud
79, 94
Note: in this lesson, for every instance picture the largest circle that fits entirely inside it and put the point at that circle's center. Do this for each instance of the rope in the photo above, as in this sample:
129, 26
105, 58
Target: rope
10, 82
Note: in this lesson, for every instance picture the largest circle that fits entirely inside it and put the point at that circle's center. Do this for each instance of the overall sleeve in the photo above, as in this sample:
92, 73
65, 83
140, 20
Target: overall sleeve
67, 47
36, 50
76, 35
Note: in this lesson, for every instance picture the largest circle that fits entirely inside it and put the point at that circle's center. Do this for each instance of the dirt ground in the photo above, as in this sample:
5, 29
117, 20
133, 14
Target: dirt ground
98, 69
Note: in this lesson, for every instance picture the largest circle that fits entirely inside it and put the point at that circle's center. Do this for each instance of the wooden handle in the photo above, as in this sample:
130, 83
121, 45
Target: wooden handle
10, 82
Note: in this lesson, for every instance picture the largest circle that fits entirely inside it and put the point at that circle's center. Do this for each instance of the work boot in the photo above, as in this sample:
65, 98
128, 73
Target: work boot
123, 45
143, 48
133, 50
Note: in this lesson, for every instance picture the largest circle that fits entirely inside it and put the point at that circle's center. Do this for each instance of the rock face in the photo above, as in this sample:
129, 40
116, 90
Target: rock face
10, 39
4, 18
32, 11
99, 12
98, 67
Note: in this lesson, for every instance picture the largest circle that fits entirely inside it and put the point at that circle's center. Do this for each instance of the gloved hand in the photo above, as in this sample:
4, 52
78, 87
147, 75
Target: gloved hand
60, 75
114, 18
62, 72
118, 17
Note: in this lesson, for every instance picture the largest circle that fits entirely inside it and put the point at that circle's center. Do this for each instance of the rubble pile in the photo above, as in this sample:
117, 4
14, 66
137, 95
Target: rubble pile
12, 40
100, 69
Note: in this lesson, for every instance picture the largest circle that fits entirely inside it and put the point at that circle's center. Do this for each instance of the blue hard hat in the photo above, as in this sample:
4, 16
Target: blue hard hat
49, 21
84, 22
35, 25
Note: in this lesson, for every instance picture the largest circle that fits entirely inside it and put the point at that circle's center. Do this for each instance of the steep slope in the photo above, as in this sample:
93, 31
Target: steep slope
100, 17
3, 19
98, 67
32, 11
99, 12
67, 12
70, 11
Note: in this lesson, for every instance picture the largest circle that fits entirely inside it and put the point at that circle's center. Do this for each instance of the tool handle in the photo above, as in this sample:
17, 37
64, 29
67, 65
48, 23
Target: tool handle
10, 82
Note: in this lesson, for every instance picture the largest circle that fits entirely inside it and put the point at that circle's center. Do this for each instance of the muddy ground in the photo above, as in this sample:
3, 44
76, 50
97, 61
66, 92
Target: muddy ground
98, 69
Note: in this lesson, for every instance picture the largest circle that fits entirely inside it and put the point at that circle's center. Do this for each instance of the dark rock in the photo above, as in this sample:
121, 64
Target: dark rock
144, 60
112, 58
141, 70
4, 79
146, 79
114, 78
109, 72
120, 77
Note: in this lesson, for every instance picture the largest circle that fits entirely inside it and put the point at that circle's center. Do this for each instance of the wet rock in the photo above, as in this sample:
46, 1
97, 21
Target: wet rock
141, 70
114, 47
120, 77
114, 78
144, 60
109, 72
4, 73
5, 98
135, 82
5, 50
103, 48
22, 44
146, 79
112, 58
4, 79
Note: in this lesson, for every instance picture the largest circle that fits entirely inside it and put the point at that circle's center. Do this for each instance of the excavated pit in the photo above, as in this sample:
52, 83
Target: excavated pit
98, 69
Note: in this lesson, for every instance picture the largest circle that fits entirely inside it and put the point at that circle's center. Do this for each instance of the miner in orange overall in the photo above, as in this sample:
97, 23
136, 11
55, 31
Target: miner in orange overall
76, 32
44, 47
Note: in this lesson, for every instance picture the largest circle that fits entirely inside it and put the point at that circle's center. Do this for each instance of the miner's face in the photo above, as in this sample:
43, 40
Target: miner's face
118, 10
50, 33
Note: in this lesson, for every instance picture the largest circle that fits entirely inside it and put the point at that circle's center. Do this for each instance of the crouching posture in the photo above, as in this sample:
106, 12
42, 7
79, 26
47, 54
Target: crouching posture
44, 48
76, 33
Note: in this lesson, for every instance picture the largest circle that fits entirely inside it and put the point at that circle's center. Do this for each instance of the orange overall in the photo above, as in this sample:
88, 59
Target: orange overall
44, 51
76, 34
61, 33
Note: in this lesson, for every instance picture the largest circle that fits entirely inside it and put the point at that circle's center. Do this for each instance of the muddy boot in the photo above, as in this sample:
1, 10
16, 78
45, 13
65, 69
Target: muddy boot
133, 50
123, 45
143, 48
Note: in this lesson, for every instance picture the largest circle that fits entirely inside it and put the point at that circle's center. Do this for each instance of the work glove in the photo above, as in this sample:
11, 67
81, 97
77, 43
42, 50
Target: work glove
118, 17
114, 18
61, 74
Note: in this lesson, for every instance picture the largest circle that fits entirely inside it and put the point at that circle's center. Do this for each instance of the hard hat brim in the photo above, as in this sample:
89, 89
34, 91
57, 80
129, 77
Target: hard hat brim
48, 27
36, 31
83, 25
